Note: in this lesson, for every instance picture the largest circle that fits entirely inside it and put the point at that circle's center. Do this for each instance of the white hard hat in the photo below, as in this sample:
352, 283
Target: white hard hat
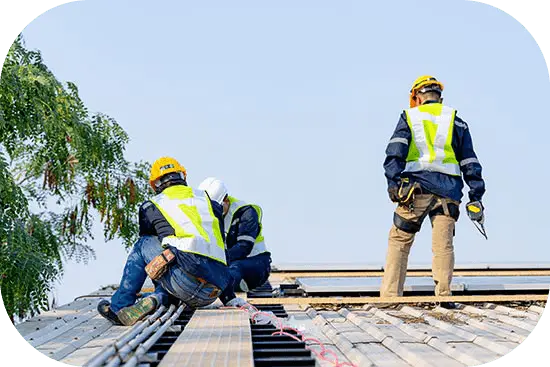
215, 188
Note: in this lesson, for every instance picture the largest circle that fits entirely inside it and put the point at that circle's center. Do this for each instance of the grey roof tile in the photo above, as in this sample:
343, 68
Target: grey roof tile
368, 336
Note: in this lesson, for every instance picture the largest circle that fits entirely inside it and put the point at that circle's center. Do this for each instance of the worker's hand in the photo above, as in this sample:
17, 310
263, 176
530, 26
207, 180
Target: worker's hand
236, 302
475, 211
393, 192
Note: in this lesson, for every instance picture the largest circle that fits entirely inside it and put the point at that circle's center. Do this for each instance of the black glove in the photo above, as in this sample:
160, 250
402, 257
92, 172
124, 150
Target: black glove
393, 192
475, 211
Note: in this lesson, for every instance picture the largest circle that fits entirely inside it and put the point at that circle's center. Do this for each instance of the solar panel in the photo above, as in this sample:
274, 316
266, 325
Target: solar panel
423, 284
426, 267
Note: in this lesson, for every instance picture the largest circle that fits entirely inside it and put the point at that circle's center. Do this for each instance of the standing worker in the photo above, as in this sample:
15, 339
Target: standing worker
248, 257
181, 248
427, 158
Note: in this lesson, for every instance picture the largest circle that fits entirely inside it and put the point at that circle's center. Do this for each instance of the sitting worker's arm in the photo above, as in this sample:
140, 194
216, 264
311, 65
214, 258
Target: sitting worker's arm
248, 230
396, 154
467, 158
152, 222
146, 216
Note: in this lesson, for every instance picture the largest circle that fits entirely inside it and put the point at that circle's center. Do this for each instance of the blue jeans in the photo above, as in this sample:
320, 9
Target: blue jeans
254, 270
176, 282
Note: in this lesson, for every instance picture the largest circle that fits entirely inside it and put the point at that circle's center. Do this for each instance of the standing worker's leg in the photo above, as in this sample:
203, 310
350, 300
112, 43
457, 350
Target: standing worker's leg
443, 253
406, 224
395, 271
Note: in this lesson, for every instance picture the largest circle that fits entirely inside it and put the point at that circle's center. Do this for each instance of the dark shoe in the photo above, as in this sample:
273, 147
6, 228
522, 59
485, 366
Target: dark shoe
128, 316
384, 306
104, 309
448, 305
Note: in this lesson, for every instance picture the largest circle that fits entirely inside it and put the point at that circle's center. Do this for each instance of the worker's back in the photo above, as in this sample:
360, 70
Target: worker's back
183, 218
430, 149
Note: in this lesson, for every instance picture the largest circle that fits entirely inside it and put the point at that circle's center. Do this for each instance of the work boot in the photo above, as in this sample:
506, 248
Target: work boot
385, 305
104, 309
128, 316
448, 305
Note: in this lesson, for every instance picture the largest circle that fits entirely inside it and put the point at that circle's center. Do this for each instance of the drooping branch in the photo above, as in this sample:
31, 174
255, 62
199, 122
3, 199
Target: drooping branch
60, 151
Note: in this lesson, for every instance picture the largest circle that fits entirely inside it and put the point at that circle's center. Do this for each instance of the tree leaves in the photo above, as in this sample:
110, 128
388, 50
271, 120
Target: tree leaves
57, 152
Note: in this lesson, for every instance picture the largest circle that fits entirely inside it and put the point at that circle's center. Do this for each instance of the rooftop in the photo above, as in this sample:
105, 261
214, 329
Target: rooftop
354, 329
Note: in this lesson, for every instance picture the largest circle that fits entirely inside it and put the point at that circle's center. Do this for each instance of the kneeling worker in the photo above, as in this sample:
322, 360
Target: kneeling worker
247, 255
181, 248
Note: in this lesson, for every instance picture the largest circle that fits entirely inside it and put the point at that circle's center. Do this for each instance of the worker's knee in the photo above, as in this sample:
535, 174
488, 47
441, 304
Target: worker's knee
405, 225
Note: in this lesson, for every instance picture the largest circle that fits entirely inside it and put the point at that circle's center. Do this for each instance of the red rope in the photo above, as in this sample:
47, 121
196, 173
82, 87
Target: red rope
301, 338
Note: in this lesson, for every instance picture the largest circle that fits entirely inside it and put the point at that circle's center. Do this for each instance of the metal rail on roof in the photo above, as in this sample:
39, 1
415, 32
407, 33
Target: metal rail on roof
410, 273
144, 348
365, 270
364, 286
123, 352
304, 267
101, 358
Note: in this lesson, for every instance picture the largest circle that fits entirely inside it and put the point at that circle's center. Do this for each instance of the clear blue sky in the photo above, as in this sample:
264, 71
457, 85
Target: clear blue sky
293, 103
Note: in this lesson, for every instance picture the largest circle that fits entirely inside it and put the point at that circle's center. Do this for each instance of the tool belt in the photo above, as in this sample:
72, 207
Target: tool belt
407, 190
158, 266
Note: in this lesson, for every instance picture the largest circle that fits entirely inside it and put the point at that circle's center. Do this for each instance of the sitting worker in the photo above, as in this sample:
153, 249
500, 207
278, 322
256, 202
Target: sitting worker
247, 255
181, 248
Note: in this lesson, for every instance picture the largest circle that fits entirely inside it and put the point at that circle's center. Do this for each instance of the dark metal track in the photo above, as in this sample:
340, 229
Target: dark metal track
276, 350
268, 350
263, 291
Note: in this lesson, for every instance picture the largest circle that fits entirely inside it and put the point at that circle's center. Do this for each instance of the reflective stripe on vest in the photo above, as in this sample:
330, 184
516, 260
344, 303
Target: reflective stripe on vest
189, 212
431, 149
259, 243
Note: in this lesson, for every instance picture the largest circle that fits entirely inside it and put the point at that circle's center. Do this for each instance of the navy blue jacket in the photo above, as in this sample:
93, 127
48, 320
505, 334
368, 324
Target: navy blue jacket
153, 223
245, 226
437, 183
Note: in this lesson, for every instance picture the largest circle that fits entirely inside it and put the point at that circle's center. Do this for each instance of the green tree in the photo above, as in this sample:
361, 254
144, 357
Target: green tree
59, 165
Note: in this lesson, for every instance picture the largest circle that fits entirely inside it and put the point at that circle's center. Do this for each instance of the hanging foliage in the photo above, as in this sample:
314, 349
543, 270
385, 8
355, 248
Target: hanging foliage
53, 150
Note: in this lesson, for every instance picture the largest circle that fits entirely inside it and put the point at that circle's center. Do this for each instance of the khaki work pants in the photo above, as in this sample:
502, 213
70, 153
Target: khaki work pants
400, 243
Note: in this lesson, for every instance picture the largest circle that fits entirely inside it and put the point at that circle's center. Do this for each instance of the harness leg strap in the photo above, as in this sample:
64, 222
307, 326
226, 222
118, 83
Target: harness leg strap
405, 225
413, 226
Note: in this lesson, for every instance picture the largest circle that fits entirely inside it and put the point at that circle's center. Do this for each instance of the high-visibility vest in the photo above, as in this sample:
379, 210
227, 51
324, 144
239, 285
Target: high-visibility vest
431, 149
189, 212
259, 242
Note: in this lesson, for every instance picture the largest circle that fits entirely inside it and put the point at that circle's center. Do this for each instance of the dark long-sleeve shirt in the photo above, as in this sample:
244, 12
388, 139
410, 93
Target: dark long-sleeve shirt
435, 182
244, 230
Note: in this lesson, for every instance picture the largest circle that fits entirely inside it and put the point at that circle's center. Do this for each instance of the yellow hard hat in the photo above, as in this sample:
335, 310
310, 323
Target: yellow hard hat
164, 166
424, 84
